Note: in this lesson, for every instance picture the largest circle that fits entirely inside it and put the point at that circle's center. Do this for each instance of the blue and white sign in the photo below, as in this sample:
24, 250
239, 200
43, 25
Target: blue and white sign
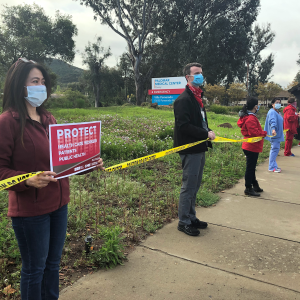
168, 83
164, 99
166, 90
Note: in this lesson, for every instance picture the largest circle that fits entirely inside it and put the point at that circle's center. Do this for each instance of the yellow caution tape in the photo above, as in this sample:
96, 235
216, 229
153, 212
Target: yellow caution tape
284, 131
7, 183
150, 157
249, 140
157, 155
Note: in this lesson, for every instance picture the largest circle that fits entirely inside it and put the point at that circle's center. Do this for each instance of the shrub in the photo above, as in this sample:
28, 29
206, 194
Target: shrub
145, 104
236, 108
166, 132
118, 100
8, 243
219, 109
69, 99
117, 149
111, 253
80, 103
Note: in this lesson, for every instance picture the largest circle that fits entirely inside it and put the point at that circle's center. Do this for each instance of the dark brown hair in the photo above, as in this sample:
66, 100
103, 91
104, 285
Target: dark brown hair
273, 101
187, 68
250, 103
14, 89
292, 100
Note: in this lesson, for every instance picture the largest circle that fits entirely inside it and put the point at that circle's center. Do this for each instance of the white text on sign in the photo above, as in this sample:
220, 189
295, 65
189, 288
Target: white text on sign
75, 132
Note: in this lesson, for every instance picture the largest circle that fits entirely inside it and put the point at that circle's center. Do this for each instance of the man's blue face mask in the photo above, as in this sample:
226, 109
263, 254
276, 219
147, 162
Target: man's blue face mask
198, 79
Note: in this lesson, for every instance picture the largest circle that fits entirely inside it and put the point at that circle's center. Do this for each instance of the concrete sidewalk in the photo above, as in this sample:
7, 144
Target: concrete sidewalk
250, 251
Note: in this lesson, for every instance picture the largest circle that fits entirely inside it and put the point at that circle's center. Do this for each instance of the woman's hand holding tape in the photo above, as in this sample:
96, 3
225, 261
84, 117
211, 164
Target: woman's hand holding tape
41, 180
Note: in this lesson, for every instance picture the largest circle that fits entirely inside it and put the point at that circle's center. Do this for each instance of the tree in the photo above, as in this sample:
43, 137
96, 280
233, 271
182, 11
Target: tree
26, 31
267, 91
134, 21
79, 86
214, 92
297, 78
113, 86
127, 74
94, 56
237, 91
259, 69
168, 34
214, 33
292, 84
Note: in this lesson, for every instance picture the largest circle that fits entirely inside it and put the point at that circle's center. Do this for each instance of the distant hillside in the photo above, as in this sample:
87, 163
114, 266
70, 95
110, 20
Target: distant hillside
65, 72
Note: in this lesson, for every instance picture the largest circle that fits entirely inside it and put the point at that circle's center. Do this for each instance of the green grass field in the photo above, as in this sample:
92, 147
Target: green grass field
121, 208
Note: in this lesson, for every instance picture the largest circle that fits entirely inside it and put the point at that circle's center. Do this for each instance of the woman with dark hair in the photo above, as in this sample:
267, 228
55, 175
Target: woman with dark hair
250, 127
274, 128
38, 206
291, 123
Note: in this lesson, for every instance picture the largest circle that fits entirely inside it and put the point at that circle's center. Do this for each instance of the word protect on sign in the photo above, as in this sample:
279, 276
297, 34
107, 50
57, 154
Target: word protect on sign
76, 131
74, 147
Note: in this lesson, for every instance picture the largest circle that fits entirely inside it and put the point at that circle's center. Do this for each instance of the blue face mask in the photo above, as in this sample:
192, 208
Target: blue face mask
37, 94
258, 106
277, 105
198, 79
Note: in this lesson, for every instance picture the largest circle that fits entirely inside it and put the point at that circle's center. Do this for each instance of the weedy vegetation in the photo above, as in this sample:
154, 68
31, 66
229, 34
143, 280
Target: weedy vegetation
121, 208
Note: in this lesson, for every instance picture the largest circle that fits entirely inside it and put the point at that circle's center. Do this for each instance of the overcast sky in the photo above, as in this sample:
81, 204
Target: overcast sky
282, 15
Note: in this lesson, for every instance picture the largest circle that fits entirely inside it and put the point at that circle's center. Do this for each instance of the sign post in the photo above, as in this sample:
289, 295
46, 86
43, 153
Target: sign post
74, 147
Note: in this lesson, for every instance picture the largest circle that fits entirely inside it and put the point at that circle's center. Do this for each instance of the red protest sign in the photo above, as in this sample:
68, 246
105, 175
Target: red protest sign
74, 147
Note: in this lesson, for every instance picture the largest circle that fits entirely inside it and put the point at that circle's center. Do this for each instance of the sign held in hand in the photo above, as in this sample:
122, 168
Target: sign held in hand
74, 147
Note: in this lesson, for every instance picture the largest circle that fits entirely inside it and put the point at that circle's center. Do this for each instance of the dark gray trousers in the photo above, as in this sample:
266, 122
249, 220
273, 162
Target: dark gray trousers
192, 165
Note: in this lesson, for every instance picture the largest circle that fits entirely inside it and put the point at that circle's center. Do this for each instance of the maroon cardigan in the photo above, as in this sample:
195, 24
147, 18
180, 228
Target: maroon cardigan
15, 159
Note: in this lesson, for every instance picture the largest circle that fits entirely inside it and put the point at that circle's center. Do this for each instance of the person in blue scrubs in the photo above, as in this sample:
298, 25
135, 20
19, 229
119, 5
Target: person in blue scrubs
274, 128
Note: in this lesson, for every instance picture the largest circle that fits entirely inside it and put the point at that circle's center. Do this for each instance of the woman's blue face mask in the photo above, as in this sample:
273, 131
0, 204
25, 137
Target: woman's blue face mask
36, 95
277, 105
